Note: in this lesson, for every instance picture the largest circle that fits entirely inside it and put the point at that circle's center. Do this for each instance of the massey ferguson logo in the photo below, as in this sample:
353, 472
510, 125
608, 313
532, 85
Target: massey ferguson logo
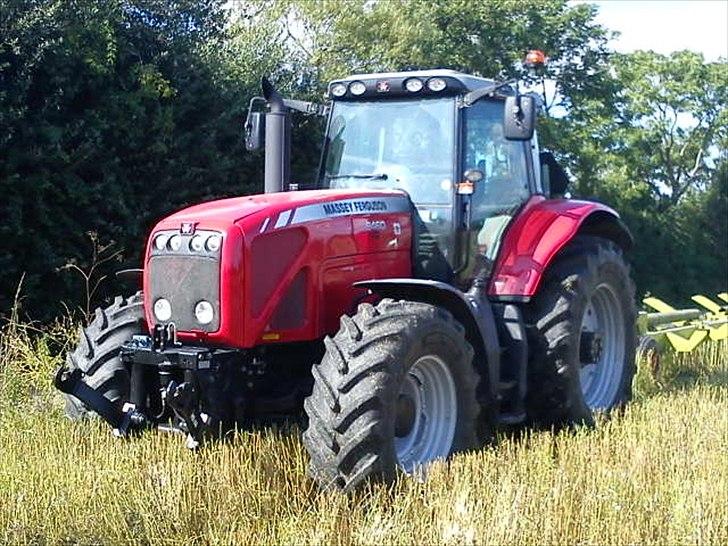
187, 228
348, 207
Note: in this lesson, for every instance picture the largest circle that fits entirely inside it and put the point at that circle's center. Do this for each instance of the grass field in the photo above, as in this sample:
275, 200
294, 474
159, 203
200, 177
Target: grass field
657, 473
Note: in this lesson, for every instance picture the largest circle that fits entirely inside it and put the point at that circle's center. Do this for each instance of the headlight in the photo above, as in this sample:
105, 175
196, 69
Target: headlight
160, 241
436, 84
213, 243
413, 85
197, 243
357, 88
204, 313
175, 242
162, 310
338, 90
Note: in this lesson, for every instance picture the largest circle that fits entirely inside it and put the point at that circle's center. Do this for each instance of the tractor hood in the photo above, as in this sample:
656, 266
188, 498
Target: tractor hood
298, 206
273, 268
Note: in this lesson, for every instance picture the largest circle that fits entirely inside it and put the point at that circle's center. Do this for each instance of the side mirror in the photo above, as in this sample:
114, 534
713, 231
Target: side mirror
254, 131
519, 117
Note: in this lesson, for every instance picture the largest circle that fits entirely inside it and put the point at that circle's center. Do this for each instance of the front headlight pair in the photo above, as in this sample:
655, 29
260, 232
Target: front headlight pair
204, 311
198, 243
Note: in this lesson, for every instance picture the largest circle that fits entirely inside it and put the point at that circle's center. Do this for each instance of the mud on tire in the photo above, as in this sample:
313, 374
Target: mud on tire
589, 277
97, 352
357, 413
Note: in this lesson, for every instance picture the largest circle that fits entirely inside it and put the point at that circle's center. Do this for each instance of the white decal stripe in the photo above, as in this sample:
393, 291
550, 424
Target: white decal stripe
282, 219
347, 207
265, 224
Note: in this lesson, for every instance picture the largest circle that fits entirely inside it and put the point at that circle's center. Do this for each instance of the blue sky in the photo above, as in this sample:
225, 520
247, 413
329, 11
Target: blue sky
668, 25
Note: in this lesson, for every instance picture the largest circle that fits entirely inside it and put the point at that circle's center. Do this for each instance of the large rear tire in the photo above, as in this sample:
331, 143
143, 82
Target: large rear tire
581, 335
97, 352
395, 389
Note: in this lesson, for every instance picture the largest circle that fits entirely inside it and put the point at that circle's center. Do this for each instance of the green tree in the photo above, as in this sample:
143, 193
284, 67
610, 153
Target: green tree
672, 120
113, 113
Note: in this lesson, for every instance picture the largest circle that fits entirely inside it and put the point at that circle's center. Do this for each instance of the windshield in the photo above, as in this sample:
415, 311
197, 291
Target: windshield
406, 145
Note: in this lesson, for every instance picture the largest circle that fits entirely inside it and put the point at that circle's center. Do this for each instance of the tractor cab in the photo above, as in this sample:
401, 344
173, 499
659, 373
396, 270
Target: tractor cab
428, 133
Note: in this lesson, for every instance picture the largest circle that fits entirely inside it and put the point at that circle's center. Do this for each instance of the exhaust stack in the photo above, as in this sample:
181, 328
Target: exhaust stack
277, 140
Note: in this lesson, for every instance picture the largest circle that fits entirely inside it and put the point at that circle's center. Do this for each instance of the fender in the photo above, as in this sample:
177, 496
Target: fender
535, 236
471, 309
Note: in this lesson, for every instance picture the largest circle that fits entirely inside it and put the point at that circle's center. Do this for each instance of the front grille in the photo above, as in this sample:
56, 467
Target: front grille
185, 281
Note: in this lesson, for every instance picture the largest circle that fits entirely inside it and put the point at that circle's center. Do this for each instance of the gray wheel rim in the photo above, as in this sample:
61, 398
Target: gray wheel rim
430, 387
601, 372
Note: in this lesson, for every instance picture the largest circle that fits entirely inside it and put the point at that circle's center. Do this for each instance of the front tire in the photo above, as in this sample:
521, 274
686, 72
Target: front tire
581, 335
97, 352
395, 389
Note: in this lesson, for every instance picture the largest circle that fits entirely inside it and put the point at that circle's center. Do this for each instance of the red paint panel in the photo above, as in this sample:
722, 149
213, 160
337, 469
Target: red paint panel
339, 297
535, 236
272, 254
338, 252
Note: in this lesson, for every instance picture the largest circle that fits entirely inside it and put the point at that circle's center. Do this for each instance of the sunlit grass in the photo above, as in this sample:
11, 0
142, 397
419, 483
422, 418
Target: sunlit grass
656, 473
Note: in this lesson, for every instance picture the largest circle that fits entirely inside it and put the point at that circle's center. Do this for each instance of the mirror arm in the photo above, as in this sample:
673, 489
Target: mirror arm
305, 107
471, 98
274, 99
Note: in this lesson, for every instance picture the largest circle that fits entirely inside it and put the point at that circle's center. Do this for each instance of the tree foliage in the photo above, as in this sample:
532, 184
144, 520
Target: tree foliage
671, 119
484, 38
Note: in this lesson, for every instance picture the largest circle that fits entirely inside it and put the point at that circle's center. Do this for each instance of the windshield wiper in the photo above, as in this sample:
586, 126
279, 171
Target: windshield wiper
364, 176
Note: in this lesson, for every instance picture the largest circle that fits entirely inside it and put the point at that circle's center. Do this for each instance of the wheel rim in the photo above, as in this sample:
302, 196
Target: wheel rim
426, 414
601, 348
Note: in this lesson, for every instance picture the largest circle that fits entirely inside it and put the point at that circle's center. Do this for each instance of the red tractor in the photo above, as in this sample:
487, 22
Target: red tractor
434, 284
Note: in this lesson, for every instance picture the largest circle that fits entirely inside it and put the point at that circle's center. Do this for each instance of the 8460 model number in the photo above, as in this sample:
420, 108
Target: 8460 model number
375, 225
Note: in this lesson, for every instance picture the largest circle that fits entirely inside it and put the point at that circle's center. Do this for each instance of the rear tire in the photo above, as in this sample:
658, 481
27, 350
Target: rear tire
581, 335
395, 389
97, 352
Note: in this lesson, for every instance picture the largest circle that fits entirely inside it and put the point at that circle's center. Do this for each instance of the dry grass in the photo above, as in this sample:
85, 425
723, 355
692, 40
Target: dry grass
657, 473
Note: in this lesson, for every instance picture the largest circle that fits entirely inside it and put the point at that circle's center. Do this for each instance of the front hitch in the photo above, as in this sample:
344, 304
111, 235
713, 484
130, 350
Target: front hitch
124, 421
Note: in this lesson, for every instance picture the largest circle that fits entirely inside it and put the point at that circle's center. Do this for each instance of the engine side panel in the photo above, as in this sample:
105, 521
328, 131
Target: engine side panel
316, 267
532, 240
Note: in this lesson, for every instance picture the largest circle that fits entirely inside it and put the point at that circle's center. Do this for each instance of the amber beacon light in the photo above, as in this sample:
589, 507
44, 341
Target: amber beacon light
535, 59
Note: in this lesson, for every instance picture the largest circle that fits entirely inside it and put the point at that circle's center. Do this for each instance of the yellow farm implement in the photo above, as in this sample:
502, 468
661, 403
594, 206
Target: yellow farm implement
681, 329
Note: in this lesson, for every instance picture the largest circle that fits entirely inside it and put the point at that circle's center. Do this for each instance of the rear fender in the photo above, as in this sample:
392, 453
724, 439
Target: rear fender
475, 314
538, 233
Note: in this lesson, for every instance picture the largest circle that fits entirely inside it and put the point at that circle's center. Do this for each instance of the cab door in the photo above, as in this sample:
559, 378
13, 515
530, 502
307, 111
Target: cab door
505, 183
